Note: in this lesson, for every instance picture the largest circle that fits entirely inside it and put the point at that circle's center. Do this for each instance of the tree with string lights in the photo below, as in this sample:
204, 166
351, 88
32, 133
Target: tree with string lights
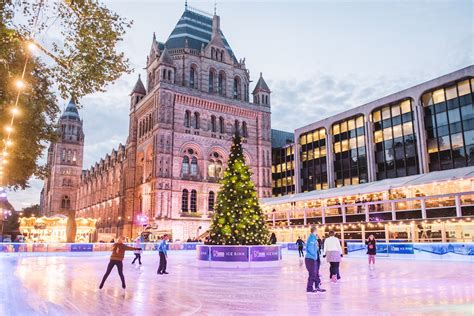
238, 218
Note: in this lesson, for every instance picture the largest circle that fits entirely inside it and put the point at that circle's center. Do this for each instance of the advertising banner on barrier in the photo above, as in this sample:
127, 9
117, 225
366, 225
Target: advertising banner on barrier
400, 249
229, 253
82, 247
294, 247
264, 253
203, 253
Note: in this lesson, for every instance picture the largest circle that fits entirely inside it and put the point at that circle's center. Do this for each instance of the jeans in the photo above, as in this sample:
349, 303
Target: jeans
162, 266
334, 269
313, 273
111, 265
139, 257
300, 251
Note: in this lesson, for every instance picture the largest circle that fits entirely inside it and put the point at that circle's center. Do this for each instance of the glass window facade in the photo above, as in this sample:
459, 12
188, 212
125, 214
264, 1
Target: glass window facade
395, 141
449, 124
350, 159
283, 170
313, 160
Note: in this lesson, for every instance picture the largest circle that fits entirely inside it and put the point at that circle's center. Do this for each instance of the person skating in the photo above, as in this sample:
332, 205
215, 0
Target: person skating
312, 262
163, 255
333, 253
138, 253
300, 244
118, 253
371, 249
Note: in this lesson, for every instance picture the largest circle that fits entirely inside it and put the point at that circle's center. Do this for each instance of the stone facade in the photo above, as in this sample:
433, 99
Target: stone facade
59, 194
180, 131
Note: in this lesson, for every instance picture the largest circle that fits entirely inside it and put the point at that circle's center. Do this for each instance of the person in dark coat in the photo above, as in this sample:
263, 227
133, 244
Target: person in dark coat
300, 244
371, 249
273, 239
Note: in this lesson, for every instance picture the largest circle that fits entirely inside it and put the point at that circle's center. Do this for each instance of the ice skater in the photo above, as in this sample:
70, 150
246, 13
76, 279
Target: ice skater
312, 262
300, 244
371, 249
333, 253
138, 253
116, 259
163, 255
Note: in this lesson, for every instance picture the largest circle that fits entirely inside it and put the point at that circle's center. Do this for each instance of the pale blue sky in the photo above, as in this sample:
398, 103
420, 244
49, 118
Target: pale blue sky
318, 57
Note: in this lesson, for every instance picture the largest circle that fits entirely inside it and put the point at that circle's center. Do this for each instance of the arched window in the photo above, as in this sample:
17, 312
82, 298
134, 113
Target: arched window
210, 201
213, 51
192, 75
236, 93
169, 75
194, 166
185, 165
65, 202
221, 125
222, 56
64, 182
221, 84
211, 81
213, 124
236, 127
184, 201
211, 170
69, 155
196, 120
244, 130
187, 119
164, 74
193, 200
63, 155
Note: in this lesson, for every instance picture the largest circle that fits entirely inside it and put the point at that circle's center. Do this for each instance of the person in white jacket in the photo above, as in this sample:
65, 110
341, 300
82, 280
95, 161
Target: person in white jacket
332, 251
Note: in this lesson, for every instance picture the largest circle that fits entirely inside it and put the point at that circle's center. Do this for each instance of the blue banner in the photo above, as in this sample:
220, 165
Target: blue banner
264, 253
401, 249
82, 247
230, 253
203, 253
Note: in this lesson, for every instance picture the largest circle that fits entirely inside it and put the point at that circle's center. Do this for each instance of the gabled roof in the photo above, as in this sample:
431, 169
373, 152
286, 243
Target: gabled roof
139, 87
71, 112
261, 85
196, 28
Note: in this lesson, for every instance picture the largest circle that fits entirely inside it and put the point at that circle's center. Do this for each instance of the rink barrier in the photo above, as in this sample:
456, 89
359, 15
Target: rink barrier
230, 256
83, 247
422, 251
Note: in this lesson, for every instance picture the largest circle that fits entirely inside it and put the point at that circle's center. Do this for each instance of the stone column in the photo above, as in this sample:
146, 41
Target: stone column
330, 158
369, 148
420, 132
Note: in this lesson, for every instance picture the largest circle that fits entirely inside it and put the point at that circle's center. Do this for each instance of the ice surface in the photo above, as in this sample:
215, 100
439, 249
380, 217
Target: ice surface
67, 285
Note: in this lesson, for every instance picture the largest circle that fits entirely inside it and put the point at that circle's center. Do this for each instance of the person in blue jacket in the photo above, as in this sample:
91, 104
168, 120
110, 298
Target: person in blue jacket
163, 255
312, 262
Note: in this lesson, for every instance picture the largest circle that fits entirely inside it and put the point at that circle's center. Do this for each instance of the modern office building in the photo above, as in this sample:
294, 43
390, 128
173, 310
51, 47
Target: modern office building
407, 156
283, 163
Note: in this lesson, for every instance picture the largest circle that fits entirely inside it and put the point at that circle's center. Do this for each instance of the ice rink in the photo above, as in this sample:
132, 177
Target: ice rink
66, 285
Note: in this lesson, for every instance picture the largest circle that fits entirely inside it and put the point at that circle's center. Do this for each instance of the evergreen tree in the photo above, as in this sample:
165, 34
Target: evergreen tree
238, 218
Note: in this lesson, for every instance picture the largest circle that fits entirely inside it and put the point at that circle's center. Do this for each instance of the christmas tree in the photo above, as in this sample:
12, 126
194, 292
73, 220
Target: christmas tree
238, 218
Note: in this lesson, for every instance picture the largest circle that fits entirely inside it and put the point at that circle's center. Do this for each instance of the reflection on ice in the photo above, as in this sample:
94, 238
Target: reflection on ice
69, 285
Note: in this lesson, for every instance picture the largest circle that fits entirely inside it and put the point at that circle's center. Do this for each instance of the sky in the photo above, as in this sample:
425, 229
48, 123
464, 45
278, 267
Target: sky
319, 58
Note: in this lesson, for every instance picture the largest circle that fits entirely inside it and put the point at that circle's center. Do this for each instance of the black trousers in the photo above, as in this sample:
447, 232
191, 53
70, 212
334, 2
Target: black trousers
300, 251
313, 273
111, 265
139, 257
162, 266
334, 269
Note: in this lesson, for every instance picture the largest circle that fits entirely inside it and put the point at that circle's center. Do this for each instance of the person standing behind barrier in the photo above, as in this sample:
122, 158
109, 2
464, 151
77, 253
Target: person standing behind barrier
371, 249
333, 254
138, 253
273, 239
118, 253
312, 262
300, 244
163, 255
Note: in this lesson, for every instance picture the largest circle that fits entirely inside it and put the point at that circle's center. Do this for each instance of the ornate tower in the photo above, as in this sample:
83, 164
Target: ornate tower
65, 164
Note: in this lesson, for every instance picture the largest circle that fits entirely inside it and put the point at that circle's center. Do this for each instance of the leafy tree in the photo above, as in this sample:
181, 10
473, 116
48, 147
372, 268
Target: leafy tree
80, 58
31, 210
238, 218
